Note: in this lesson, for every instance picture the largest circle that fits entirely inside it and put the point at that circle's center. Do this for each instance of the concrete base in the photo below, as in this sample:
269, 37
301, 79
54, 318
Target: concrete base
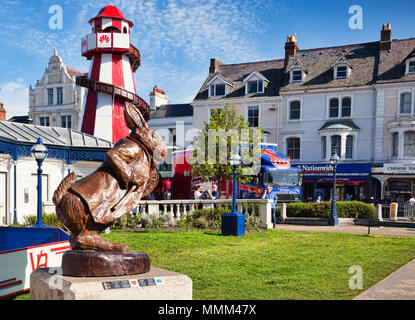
157, 284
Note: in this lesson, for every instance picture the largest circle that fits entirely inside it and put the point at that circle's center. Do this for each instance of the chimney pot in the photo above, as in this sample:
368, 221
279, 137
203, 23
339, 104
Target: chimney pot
386, 37
158, 98
2, 112
291, 47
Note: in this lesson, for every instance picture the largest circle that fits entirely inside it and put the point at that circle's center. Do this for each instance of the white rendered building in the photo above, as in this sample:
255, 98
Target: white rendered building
56, 100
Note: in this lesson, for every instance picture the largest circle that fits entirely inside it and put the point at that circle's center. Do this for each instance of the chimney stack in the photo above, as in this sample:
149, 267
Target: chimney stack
291, 47
158, 98
2, 112
214, 64
386, 37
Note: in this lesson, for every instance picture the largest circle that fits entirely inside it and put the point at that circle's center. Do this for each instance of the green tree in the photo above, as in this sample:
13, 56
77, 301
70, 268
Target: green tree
227, 132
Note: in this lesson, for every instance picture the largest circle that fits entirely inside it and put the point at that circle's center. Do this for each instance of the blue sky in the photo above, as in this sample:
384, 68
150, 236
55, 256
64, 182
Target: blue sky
177, 38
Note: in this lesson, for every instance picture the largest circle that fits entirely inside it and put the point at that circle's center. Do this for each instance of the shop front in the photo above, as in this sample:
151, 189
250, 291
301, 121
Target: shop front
396, 182
353, 180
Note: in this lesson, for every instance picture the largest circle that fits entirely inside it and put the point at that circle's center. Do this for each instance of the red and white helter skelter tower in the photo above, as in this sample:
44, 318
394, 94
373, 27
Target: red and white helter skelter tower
110, 81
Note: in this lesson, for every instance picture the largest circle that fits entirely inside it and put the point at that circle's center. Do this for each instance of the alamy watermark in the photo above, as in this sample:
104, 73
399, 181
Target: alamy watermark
356, 20
356, 280
56, 20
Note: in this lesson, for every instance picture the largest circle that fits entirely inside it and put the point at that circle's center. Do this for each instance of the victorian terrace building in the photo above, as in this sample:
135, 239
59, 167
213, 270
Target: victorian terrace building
356, 100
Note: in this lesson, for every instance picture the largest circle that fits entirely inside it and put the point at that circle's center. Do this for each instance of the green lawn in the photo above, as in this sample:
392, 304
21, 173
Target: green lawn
271, 264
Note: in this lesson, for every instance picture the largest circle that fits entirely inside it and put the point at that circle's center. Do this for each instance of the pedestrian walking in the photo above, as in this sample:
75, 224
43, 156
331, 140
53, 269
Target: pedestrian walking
269, 194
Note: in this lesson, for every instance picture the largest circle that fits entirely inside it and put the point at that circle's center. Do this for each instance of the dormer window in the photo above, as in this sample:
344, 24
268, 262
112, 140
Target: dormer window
217, 90
256, 86
410, 66
255, 82
342, 68
341, 72
297, 70
296, 76
218, 86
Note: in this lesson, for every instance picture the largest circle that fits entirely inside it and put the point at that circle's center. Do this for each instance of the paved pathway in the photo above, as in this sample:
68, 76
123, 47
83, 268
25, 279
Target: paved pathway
386, 231
400, 285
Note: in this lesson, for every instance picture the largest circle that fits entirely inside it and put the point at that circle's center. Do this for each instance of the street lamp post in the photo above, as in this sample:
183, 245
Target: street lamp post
39, 152
233, 223
333, 219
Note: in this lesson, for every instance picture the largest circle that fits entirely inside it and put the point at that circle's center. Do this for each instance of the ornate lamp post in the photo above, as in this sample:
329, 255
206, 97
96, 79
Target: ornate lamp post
39, 152
233, 223
333, 219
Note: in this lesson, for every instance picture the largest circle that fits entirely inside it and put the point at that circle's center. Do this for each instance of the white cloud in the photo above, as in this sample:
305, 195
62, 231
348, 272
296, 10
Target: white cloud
176, 38
15, 97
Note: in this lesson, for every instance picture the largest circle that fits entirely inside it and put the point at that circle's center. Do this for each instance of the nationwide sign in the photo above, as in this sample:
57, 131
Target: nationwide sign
399, 168
343, 169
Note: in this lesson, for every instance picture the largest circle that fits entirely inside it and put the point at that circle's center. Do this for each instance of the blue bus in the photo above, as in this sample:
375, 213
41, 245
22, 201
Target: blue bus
276, 171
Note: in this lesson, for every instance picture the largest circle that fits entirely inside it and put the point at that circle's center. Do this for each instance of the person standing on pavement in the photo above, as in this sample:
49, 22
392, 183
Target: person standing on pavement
269, 194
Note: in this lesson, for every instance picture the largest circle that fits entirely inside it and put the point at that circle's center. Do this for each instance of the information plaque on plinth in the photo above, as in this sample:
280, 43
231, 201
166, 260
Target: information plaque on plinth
157, 284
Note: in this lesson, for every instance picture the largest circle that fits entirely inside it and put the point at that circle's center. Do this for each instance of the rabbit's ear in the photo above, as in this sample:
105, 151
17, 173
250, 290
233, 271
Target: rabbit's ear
133, 117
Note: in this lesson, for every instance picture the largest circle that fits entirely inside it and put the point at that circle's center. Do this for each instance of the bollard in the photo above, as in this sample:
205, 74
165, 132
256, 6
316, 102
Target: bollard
283, 215
394, 211
265, 214
379, 212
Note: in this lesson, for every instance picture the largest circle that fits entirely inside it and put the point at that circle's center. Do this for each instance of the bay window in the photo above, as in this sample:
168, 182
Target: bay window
349, 147
336, 145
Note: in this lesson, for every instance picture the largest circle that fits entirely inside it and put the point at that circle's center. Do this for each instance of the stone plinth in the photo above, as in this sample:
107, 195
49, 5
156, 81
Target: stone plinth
90, 263
157, 284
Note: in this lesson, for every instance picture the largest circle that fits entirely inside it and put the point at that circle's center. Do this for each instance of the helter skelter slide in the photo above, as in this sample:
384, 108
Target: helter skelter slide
110, 81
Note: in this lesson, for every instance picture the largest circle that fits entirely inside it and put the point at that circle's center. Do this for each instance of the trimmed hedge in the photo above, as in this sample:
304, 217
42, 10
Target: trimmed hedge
345, 209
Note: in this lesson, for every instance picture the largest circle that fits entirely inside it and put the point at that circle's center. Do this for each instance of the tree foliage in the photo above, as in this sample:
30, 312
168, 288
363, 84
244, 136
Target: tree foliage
227, 132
